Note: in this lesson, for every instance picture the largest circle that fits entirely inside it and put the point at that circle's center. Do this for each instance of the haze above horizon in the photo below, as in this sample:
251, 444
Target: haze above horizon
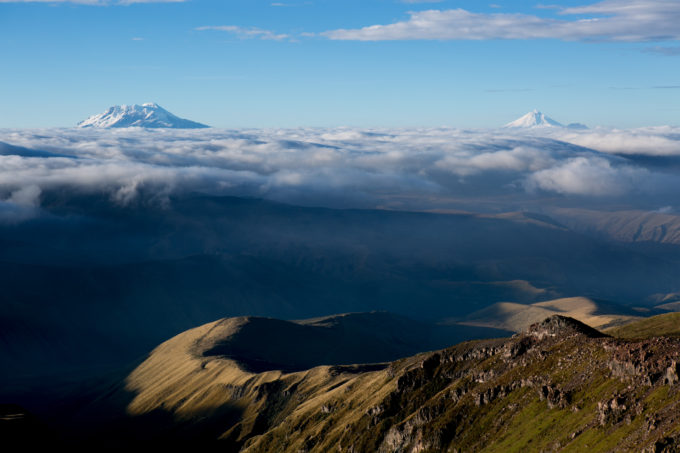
251, 63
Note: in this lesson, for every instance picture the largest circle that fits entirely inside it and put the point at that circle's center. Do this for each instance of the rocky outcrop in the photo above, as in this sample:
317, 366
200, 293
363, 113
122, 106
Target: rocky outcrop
428, 408
645, 362
554, 396
562, 326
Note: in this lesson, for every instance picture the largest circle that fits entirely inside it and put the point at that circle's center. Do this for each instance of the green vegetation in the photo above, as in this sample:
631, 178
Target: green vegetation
556, 393
667, 325
561, 386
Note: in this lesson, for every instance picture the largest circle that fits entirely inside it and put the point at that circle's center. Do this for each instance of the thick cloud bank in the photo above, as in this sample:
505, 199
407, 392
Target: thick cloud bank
403, 169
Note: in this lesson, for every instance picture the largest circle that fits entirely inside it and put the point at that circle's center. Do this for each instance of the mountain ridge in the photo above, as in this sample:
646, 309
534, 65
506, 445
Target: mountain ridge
342, 339
558, 385
517, 317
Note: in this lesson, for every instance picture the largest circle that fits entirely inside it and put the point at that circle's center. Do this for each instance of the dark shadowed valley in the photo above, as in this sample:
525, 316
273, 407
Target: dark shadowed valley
126, 278
91, 288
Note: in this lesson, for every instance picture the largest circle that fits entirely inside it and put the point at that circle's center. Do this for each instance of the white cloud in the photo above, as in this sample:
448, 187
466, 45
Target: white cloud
649, 141
25, 196
517, 159
612, 20
247, 33
403, 168
582, 176
22, 204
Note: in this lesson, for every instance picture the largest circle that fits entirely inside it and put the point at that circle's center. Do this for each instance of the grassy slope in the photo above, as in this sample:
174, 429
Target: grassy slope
517, 317
662, 325
518, 421
489, 395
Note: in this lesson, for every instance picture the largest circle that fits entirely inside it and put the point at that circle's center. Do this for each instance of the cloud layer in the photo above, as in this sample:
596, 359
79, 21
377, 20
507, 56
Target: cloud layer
403, 169
610, 20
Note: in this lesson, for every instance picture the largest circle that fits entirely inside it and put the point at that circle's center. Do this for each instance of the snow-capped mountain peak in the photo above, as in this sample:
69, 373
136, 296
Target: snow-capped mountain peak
150, 115
534, 119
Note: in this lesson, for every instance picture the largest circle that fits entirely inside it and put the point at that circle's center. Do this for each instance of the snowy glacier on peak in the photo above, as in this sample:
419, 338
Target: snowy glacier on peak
149, 115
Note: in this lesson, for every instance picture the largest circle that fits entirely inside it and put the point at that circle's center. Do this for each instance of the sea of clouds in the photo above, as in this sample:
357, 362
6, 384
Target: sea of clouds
420, 169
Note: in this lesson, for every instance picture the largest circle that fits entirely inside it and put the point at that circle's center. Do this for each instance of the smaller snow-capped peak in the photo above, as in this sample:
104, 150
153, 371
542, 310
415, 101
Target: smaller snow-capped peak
534, 119
149, 115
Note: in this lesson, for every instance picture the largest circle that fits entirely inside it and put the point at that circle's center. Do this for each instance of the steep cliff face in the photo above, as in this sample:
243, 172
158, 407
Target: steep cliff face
559, 386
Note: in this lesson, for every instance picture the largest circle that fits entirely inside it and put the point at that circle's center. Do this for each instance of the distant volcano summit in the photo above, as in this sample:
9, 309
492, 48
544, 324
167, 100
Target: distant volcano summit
149, 115
534, 119
537, 119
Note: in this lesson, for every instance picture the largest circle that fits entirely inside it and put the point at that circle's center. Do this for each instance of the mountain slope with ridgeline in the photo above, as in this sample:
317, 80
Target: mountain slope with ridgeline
625, 226
560, 385
518, 317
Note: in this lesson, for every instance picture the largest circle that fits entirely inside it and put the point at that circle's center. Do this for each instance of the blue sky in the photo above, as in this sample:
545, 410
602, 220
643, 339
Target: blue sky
252, 63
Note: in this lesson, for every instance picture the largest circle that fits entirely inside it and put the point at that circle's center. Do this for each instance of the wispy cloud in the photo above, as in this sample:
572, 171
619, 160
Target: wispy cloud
610, 20
670, 51
509, 90
656, 87
247, 33
215, 77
